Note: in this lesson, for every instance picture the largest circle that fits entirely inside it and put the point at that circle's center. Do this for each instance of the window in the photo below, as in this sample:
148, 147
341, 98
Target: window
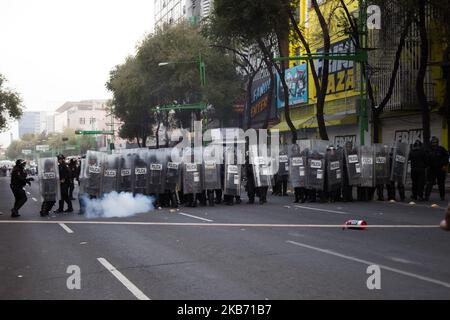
92, 120
82, 121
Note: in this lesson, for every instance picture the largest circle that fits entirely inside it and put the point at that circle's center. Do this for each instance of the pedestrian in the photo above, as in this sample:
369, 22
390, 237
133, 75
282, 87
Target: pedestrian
437, 171
18, 181
419, 163
64, 178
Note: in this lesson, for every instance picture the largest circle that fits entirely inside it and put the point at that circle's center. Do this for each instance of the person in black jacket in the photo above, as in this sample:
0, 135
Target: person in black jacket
18, 181
73, 175
438, 158
419, 163
64, 177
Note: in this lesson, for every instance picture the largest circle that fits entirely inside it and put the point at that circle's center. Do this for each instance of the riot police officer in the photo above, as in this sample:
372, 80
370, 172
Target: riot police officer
18, 181
64, 178
438, 158
419, 163
250, 180
73, 175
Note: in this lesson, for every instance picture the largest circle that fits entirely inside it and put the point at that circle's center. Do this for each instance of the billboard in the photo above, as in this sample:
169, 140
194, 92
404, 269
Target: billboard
297, 82
341, 72
260, 108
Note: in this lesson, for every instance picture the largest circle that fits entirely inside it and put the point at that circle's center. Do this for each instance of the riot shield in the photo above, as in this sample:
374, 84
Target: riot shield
192, 182
173, 171
125, 170
156, 170
81, 177
382, 168
334, 167
400, 162
366, 155
93, 173
233, 171
110, 173
211, 167
140, 172
352, 164
261, 165
297, 168
48, 175
283, 160
316, 169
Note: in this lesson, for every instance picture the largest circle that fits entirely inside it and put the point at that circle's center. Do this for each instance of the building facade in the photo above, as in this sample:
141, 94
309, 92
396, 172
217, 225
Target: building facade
173, 11
401, 118
32, 122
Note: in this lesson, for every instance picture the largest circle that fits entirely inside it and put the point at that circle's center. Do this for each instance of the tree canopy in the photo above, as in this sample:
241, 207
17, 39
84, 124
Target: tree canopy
10, 104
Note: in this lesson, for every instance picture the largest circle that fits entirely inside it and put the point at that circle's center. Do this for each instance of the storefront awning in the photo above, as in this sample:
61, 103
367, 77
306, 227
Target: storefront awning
311, 122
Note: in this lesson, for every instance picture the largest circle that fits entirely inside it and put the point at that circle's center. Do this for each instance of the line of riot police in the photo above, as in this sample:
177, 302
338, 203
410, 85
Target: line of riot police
314, 169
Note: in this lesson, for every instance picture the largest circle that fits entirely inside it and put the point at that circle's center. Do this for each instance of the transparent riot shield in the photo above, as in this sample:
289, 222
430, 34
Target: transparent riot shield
212, 160
261, 164
316, 169
381, 165
93, 173
140, 172
48, 175
233, 172
192, 182
334, 167
81, 177
352, 164
366, 155
283, 160
400, 162
173, 171
156, 175
110, 173
125, 173
297, 168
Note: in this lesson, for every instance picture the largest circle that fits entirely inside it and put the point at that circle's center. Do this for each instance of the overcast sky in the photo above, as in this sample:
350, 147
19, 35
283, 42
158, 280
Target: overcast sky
52, 51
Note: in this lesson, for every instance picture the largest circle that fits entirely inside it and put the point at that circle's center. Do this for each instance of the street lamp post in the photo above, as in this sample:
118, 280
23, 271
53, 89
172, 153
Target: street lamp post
195, 106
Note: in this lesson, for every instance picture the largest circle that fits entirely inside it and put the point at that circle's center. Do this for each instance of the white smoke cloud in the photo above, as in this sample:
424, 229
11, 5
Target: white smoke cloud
117, 205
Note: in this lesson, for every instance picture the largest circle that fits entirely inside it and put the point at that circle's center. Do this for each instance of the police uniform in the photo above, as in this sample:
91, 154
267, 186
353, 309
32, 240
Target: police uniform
64, 176
18, 181
437, 172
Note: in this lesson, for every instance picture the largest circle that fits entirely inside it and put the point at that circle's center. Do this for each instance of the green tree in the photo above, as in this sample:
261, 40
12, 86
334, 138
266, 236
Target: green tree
10, 104
265, 23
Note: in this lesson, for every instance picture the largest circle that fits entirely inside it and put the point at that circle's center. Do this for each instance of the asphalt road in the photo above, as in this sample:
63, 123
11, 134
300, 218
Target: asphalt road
276, 251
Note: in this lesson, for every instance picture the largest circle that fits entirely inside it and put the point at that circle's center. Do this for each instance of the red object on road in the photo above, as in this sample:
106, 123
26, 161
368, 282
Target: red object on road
355, 224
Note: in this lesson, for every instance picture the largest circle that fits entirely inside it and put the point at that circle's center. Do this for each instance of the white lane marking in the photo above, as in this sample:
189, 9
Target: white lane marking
28, 193
190, 224
401, 260
34, 199
195, 217
127, 283
405, 273
323, 210
66, 228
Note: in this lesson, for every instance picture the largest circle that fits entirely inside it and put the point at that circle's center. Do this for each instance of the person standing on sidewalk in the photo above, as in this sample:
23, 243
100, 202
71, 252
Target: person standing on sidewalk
437, 171
419, 164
